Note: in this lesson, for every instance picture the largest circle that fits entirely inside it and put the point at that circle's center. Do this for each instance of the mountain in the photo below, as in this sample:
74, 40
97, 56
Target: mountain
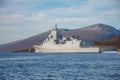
25, 43
112, 42
96, 32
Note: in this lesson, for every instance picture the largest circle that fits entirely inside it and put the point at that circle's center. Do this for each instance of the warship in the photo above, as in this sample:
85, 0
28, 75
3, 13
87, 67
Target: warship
55, 43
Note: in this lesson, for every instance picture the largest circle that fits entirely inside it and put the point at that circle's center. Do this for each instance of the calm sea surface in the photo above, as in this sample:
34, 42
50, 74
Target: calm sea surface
31, 66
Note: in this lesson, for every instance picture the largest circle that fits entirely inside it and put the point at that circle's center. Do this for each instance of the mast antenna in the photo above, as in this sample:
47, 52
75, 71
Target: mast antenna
55, 26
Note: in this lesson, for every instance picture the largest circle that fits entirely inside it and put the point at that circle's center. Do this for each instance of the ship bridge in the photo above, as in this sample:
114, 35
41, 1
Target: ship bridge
55, 35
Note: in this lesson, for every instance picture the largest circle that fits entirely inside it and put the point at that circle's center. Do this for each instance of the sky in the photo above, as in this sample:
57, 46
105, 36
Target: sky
20, 19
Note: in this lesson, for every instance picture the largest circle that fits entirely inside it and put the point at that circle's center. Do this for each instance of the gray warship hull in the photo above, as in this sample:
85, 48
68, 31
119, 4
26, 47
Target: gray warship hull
39, 49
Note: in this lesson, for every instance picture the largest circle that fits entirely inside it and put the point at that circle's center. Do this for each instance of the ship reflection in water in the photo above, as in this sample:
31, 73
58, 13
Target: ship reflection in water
30, 66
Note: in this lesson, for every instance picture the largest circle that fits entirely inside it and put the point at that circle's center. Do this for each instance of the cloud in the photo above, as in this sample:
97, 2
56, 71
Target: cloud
82, 14
34, 16
77, 13
12, 19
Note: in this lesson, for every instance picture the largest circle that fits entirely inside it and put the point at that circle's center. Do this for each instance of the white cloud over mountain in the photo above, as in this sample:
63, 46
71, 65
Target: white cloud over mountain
40, 15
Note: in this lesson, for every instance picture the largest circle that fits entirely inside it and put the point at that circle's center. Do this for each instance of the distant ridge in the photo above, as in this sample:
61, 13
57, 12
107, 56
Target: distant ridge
96, 32
112, 42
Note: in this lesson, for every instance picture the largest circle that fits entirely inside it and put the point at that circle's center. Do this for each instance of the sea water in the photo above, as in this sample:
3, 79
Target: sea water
67, 66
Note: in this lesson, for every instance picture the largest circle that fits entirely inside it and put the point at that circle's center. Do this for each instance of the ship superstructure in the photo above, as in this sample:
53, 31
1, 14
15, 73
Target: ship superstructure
57, 43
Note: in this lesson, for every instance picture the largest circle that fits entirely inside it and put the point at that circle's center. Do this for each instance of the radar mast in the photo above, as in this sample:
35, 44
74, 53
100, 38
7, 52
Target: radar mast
55, 26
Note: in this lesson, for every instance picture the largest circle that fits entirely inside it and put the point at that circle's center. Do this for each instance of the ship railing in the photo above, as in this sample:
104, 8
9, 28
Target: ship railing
105, 46
97, 46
